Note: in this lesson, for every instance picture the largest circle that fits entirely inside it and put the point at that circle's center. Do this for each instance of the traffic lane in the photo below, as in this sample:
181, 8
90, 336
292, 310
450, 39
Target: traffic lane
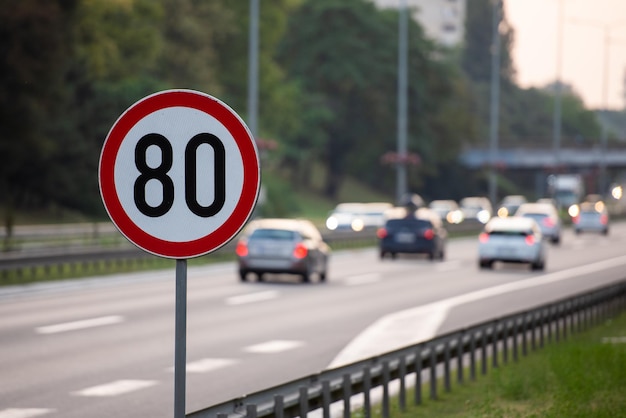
510, 302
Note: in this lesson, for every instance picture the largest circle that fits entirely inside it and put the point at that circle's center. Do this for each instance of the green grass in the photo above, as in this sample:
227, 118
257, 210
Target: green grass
582, 377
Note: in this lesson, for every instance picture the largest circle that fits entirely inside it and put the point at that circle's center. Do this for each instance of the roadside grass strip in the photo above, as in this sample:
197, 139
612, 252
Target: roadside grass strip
583, 376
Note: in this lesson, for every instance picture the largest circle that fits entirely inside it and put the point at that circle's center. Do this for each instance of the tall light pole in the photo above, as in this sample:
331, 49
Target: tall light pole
401, 169
558, 90
495, 99
253, 68
606, 28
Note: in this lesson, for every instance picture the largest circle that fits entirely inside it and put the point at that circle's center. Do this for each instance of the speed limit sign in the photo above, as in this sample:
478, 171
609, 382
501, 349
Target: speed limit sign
179, 173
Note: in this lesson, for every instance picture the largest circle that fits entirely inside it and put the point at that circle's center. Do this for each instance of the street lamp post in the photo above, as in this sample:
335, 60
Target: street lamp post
401, 169
495, 99
606, 28
558, 90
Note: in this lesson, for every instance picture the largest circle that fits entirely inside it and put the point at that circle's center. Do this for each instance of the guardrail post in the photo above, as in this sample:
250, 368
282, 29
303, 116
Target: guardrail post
494, 343
418, 375
251, 411
386, 389
483, 351
347, 393
402, 373
446, 366
326, 399
459, 358
279, 406
472, 355
433, 372
505, 342
367, 387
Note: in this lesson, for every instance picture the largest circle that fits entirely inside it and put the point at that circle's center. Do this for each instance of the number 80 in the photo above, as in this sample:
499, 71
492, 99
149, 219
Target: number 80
160, 174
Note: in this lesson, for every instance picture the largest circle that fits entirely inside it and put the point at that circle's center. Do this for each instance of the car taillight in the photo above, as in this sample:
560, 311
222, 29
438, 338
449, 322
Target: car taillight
549, 222
483, 237
576, 219
242, 249
530, 239
429, 234
300, 251
604, 219
381, 233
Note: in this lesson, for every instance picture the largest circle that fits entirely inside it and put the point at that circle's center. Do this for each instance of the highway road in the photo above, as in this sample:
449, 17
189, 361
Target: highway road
104, 347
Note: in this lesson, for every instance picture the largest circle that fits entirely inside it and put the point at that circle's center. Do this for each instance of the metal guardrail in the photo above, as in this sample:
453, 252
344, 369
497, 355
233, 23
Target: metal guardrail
101, 247
499, 340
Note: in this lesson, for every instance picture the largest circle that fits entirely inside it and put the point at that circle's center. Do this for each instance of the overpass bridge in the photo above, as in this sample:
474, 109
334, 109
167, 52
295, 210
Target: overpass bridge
574, 159
536, 164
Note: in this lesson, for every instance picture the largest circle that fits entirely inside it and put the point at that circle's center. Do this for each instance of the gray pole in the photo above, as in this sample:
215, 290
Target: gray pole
180, 340
603, 130
495, 99
556, 129
401, 175
253, 67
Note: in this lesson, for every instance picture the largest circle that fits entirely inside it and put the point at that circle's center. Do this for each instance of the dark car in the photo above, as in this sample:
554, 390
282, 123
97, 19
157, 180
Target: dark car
291, 246
420, 232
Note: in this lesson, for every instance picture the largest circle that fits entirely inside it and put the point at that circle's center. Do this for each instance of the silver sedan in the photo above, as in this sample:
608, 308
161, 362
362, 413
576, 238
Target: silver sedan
291, 246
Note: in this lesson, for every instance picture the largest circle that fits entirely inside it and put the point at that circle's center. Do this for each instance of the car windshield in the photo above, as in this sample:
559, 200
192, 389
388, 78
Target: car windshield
276, 234
510, 233
408, 223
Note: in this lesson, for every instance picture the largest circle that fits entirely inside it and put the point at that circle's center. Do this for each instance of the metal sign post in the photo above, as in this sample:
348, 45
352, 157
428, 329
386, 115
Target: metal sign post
180, 343
179, 176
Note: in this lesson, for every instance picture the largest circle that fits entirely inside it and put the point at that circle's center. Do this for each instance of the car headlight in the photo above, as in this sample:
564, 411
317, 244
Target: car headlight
503, 212
332, 223
573, 211
357, 225
483, 216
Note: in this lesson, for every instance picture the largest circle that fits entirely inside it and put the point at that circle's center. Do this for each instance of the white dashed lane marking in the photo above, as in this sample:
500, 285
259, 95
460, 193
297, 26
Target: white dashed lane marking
275, 346
118, 387
24, 412
208, 364
82, 324
252, 297
362, 279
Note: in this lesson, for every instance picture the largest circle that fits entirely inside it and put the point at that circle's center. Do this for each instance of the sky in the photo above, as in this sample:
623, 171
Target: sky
584, 49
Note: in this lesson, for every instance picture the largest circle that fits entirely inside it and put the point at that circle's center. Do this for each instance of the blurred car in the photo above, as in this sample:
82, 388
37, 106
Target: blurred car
447, 210
419, 232
357, 216
291, 246
509, 205
591, 217
514, 239
476, 208
547, 217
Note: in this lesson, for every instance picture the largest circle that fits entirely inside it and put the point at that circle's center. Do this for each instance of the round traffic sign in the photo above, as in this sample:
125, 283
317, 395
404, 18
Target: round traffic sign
179, 173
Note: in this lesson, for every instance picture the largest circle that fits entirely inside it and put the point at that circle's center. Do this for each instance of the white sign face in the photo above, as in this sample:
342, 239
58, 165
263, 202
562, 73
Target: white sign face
179, 174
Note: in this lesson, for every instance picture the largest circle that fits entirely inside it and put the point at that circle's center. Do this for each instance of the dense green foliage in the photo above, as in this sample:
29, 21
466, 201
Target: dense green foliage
328, 91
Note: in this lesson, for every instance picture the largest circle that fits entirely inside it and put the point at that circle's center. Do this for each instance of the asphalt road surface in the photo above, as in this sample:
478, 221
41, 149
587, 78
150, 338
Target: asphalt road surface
104, 347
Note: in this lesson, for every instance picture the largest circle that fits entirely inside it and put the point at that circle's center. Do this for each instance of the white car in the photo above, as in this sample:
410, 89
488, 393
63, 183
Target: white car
511, 240
547, 217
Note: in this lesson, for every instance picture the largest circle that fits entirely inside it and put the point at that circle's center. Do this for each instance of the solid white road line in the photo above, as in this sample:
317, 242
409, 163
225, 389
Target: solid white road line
398, 329
275, 346
82, 324
252, 297
24, 412
118, 387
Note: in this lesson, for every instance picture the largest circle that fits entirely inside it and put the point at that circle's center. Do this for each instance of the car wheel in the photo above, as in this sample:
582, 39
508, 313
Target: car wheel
539, 265
577, 231
442, 255
323, 276
485, 264
382, 255
306, 275
259, 276
605, 232
393, 256
243, 275
556, 240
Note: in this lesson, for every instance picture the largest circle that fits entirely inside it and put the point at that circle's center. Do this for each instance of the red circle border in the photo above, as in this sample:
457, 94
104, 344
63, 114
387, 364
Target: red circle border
251, 178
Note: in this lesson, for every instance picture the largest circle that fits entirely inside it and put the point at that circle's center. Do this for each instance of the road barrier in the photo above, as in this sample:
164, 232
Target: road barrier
340, 391
72, 250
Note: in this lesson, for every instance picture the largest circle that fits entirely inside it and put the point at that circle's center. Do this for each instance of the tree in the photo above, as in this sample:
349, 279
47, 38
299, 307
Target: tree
348, 68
